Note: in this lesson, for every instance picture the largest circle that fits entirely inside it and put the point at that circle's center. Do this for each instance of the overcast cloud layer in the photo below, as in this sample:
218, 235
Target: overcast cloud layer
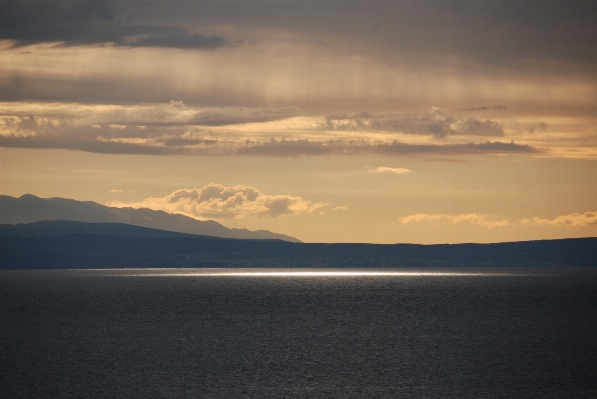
286, 78
103, 22
485, 30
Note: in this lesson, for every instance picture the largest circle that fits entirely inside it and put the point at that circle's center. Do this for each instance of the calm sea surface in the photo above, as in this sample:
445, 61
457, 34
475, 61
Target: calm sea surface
474, 333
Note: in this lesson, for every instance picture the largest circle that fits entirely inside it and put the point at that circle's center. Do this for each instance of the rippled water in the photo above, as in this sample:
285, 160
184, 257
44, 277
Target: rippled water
289, 333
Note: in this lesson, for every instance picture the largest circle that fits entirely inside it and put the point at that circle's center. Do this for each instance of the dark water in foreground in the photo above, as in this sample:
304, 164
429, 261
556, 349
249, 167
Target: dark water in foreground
178, 333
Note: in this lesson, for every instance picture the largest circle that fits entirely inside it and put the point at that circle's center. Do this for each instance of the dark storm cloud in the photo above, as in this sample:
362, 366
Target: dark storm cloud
433, 122
497, 32
180, 39
122, 90
90, 23
504, 40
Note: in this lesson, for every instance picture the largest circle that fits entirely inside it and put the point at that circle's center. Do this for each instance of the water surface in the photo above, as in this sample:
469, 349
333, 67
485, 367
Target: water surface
299, 333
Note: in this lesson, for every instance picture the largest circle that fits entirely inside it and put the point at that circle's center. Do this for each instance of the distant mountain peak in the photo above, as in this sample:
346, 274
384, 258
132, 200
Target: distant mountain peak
29, 208
29, 196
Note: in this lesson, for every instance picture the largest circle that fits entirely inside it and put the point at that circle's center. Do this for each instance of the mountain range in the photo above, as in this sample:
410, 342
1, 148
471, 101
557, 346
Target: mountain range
29, 208
58, 233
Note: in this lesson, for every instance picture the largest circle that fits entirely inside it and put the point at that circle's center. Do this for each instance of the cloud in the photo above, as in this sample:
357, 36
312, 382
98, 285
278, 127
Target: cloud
479, 31
91, 23
174, 113
116, 191
34, 132
177, 38
174, 128
447, 160
419, 217
473, 218
340, 208
294, 148
483, 108
164, 129
574, 219
527, 129
216, 201
537, 127
433, 122
399, 171
239, 115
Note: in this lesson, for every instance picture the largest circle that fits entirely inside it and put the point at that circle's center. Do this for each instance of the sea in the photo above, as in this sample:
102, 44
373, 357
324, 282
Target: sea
299, 333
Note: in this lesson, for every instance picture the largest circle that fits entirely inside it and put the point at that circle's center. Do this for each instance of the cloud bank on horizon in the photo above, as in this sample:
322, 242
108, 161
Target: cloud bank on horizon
572, 220
474, 218
216, 201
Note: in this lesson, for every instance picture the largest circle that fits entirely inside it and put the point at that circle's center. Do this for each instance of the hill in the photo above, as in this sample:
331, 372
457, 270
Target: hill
91, 251
54, 228
29, 208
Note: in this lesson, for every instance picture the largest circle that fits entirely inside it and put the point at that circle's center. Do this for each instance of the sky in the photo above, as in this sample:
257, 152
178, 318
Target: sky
329, 121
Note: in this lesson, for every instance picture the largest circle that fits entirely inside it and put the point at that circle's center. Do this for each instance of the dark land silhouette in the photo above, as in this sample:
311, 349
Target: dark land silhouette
75, 245
29, 208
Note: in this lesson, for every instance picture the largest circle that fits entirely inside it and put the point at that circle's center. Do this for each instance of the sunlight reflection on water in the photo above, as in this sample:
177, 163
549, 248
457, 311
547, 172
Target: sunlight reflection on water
341, 333
296, 273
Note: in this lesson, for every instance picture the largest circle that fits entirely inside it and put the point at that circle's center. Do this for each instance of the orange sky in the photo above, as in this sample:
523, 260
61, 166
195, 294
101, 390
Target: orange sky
327, 121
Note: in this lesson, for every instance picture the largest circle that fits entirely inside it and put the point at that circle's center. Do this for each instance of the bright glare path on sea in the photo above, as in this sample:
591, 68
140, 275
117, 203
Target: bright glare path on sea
294, 273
